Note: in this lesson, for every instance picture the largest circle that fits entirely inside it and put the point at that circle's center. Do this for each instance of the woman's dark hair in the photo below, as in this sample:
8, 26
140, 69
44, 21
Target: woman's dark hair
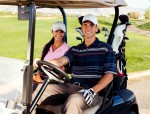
46, 48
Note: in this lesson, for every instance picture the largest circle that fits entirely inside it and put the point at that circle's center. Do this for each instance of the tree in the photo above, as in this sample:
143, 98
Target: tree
134, 15
147, 14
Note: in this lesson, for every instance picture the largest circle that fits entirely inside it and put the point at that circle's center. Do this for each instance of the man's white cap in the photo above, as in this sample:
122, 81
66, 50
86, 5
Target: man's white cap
91, 18
59, 26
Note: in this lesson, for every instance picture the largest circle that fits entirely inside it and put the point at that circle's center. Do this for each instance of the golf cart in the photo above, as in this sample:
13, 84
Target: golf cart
118, 100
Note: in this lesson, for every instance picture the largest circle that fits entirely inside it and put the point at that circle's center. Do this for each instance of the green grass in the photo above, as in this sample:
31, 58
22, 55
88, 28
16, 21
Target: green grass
141, 24
14, 35
145, 26
138, 52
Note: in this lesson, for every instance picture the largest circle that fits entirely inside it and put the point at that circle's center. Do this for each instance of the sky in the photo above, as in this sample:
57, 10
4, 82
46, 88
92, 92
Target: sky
144, 4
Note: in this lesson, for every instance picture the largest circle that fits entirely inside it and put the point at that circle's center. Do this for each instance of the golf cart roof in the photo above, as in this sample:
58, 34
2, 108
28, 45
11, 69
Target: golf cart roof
68, 3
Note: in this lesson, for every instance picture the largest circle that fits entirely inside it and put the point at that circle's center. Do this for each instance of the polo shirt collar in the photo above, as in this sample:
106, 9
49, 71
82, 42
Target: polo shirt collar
94, 44
58, 49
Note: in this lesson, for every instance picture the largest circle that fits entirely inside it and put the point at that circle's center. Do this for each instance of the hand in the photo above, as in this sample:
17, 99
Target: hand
37, 78
35, 62
88, 95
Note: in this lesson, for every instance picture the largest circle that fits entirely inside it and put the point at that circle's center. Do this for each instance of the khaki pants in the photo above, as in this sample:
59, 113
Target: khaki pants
64, 99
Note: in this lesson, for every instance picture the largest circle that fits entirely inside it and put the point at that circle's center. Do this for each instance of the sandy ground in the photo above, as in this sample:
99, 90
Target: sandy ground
11, 77
140, 87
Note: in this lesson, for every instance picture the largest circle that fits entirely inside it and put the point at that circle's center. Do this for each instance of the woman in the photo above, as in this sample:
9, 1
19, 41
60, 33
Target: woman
55, 48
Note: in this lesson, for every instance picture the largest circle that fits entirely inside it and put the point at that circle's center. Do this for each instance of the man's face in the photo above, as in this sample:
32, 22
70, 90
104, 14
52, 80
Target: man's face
89, 29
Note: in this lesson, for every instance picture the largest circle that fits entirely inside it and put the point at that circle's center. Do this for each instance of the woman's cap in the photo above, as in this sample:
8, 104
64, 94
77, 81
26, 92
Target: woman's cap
59, 26
91, 18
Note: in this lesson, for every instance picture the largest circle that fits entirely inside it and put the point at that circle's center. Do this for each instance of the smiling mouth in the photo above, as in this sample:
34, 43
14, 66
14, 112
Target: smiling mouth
58, 37
88, 33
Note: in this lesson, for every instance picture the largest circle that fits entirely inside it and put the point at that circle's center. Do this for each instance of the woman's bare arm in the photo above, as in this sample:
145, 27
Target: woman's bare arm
58, 62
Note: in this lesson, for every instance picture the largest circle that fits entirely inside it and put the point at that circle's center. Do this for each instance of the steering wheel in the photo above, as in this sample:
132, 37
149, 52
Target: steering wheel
53, 72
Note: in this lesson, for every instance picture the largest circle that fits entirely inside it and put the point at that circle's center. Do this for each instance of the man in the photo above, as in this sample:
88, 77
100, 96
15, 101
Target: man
92, 67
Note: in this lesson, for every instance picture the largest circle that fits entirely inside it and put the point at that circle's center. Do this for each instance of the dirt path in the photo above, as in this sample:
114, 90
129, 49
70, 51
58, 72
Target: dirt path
140, 87
133, 29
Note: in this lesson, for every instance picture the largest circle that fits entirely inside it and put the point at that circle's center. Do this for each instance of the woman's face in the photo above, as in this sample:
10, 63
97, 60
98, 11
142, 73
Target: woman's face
58, 35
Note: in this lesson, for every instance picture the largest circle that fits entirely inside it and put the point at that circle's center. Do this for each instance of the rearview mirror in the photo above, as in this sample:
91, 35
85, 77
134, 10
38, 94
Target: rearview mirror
23, 12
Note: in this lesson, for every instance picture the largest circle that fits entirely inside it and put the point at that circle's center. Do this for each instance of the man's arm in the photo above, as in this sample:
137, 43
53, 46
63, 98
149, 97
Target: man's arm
103, 82
60, 61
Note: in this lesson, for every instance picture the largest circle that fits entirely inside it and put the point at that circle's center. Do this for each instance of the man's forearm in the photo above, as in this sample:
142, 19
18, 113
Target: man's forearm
103, 82
59, 62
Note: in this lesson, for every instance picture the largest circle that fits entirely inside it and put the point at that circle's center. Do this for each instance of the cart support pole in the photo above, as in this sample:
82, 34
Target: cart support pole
28, 73
65, 22
111, 35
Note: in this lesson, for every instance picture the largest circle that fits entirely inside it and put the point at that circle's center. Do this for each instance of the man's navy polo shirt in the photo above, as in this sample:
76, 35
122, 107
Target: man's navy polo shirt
92, 61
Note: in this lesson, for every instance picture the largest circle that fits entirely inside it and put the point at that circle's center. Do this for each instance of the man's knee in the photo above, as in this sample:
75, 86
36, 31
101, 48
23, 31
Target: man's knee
74, 104
77, 99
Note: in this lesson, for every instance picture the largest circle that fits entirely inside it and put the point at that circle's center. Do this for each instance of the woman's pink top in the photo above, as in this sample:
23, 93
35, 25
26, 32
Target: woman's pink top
57, 53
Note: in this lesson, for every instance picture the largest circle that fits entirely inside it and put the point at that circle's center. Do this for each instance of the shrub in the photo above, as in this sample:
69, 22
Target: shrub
145, 26
134, 15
